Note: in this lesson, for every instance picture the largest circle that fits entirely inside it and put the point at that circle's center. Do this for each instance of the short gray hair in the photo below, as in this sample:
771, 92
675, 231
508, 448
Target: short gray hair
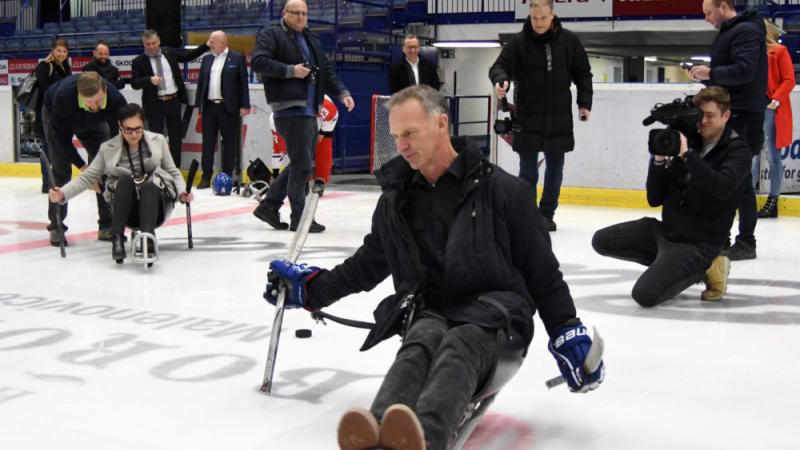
430, 99
548, 3
149, 33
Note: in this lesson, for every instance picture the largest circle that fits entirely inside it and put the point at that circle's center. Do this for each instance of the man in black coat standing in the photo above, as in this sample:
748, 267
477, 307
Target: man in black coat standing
543, 60
739, 64
698, 191
101, 63
157, 73
413, 69
471, 263
223, 97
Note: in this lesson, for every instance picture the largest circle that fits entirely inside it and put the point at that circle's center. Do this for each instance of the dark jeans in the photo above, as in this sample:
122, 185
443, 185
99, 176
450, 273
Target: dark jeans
38, 131
436, 372
62, 170
169, 112
217, 120
672, 266
553, 175
144, 211
749, 125
300, 134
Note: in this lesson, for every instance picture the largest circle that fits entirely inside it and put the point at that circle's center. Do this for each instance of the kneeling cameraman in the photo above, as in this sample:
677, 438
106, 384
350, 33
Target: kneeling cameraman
699, 190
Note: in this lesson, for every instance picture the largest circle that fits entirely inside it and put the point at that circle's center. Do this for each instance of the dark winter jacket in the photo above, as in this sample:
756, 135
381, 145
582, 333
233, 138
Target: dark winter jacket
142, 71
68, 118
108, 71
48, 74
274, 57
700, 195
739, 61
401, 75
498, 265
542, 97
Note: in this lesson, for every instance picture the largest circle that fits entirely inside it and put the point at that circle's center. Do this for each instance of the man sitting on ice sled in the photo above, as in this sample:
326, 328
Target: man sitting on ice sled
471, 262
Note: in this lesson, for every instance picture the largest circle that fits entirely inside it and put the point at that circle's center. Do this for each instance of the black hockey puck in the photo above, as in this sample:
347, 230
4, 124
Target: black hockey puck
302, 333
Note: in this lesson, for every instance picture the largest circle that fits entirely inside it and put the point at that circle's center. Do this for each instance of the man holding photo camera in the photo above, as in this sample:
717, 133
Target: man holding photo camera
296, 75
698, 190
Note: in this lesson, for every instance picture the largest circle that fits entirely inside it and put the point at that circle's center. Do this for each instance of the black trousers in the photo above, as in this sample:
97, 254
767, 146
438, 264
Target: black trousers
436, 372
62, 169
749, 125
672, 266
217, 120
144, 210
168, 112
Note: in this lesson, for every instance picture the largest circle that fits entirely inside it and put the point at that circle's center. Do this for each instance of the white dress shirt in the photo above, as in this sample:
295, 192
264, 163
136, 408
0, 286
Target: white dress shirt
169, 82
215, 77
415, 69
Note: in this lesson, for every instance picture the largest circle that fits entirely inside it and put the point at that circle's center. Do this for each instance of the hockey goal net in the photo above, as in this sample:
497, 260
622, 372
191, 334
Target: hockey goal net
382, 145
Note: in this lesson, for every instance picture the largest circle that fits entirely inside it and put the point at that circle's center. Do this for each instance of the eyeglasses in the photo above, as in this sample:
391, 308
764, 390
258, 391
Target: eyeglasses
136, 130
298, 13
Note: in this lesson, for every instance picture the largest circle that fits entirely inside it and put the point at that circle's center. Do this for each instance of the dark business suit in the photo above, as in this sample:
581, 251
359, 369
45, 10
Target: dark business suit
221, 115
401, 75
158, 109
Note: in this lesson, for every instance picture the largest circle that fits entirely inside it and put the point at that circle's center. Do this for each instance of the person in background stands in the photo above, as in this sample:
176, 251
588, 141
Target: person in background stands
101, 63
85, 106
157, 74
48, 72
777, 118
223, 97
412, 69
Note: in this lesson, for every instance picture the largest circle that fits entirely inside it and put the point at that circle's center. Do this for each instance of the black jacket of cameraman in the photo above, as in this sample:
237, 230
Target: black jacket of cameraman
542, 97
700, 194
739, 61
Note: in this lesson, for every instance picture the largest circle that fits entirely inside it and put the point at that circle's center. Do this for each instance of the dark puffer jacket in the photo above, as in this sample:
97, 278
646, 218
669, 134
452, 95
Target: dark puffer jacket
739, 61
700, 195
542, 97
499, 266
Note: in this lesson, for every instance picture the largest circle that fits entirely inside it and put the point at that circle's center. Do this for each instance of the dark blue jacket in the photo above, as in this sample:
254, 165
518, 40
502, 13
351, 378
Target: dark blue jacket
739, 61
275, 54
67, 118
235, 89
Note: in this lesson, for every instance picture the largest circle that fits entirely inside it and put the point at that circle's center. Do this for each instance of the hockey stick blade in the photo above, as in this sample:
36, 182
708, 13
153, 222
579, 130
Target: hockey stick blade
189, 182
295, 248
590, 364
51, 183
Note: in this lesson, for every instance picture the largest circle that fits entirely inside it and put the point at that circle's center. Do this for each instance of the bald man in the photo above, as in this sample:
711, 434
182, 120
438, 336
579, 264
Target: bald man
101, 63
223, 97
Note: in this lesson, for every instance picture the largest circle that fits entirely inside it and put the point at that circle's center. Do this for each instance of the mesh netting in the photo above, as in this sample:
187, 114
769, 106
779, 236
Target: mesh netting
383, 145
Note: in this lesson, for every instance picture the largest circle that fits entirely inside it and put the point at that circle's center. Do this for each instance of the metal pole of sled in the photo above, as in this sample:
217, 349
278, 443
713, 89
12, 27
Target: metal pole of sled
295, 248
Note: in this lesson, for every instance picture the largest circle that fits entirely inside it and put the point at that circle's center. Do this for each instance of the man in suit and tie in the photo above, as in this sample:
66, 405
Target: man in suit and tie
223, 97
157, 73
412, 69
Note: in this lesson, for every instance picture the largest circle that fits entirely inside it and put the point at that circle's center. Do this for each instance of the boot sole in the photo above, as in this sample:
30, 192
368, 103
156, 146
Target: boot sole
401, 430
358, 430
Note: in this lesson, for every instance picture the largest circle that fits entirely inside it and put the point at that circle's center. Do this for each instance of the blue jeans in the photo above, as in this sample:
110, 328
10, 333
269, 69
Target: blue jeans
300, 134
553, 175
773, 156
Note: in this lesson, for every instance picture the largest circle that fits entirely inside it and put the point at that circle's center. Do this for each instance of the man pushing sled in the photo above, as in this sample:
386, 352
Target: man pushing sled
471, 262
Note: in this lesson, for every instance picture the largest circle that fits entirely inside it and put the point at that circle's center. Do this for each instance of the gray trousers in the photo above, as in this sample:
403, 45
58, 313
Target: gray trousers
300, 134
436, 372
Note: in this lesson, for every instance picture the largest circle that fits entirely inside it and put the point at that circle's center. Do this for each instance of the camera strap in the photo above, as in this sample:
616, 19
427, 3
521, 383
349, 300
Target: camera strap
137, 179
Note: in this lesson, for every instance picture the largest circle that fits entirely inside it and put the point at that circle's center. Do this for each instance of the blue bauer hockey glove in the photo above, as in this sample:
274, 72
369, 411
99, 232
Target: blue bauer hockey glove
570, 347
294, 277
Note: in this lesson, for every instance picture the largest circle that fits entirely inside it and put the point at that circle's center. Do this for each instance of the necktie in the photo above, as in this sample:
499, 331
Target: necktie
159, 70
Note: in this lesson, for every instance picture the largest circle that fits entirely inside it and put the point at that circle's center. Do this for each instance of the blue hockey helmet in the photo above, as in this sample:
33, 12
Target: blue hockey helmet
222, 184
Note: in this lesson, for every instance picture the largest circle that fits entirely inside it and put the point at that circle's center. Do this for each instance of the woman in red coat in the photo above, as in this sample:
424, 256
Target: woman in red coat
777, 119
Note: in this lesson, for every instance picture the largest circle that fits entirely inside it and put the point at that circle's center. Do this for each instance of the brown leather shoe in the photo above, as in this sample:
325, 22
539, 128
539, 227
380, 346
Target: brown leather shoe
358, 430
400, 429
204, 183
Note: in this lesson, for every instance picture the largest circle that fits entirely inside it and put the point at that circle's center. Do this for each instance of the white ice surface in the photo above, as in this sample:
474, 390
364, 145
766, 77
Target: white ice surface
685, 375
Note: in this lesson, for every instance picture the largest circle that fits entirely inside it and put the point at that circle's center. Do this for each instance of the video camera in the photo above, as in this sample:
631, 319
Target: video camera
505, 125
680, 116
314, 71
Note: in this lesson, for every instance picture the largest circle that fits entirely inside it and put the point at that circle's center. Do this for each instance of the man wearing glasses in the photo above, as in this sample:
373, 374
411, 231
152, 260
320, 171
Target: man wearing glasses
296, 76
86, 106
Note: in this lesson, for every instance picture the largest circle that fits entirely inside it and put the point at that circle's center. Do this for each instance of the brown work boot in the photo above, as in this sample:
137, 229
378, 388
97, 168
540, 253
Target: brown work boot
358, 430
716, 279
401, 430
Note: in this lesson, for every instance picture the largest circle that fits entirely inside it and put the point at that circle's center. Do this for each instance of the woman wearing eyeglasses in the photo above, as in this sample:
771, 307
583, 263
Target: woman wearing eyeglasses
141, 180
